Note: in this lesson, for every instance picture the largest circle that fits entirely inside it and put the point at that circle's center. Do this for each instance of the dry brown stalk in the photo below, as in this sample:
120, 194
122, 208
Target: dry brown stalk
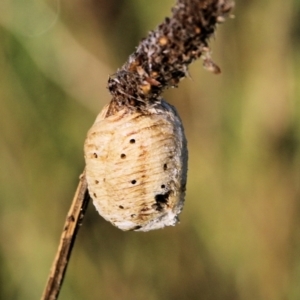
67, 240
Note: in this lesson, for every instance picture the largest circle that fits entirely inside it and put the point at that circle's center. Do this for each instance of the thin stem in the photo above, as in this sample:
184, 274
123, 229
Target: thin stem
67, 240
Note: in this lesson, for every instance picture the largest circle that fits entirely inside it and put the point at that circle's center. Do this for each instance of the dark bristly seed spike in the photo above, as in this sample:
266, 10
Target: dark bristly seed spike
186, 32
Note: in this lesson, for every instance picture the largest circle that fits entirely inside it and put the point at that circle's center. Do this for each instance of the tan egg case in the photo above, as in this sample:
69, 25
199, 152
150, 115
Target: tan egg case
136, 167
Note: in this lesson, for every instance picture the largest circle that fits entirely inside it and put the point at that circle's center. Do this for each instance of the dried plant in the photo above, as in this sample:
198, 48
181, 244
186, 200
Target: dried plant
159, 62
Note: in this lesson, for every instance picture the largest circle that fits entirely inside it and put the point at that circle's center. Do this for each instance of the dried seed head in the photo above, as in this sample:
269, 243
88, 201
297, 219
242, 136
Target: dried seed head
137, 178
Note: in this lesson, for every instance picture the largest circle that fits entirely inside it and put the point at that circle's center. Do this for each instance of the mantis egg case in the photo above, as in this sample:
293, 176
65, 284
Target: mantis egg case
136, 167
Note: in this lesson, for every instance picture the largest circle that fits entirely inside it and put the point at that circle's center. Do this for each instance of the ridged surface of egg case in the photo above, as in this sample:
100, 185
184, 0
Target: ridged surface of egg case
136, 167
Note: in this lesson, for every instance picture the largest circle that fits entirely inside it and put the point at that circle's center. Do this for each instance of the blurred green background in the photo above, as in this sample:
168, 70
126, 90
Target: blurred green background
239, 236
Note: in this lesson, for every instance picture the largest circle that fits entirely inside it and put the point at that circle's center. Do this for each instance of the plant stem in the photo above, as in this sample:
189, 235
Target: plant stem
67, 240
